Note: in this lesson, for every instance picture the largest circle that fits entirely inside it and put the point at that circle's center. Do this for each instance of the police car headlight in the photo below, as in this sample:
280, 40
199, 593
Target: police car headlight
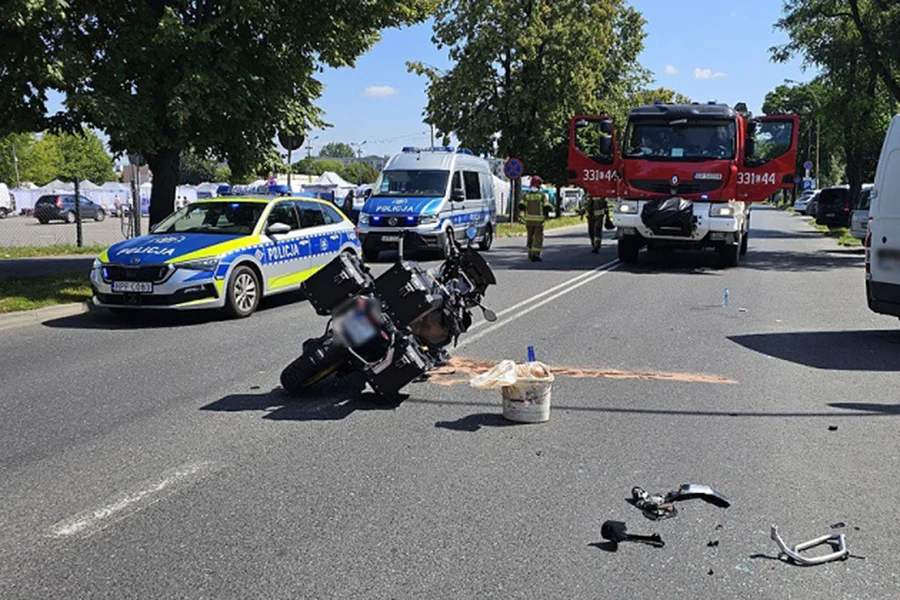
721, 211
203, 264
97, 264
627, 207
428, 220
363, 219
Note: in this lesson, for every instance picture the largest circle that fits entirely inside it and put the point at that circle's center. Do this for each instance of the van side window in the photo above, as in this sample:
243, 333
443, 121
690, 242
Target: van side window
473, 186
487, 186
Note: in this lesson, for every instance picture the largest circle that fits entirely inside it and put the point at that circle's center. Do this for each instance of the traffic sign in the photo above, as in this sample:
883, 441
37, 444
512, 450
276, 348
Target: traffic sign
514, 168
808, 165
808, 184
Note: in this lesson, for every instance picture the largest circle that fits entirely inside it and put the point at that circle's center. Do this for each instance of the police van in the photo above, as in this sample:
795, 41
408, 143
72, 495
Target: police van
436, 193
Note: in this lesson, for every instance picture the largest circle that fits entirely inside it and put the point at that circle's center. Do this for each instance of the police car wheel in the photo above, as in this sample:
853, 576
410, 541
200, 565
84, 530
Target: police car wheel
487, 240
446, 244
244, 292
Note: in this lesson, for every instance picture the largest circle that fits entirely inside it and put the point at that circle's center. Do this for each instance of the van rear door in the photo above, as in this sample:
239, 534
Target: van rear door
884, 254
770, 157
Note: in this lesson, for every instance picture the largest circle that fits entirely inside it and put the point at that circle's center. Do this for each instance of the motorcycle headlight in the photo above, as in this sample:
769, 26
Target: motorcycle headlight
428, 220
723, 210
627, 207
202, 264
363, 219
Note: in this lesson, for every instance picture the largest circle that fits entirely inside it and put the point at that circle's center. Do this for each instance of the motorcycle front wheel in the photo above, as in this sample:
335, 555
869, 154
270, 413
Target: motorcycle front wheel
319, 361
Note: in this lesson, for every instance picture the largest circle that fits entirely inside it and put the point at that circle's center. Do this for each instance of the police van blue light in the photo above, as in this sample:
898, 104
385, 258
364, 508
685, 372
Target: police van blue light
436, 193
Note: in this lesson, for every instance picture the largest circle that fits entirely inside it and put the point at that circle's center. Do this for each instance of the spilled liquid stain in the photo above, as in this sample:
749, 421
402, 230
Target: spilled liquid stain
460, 370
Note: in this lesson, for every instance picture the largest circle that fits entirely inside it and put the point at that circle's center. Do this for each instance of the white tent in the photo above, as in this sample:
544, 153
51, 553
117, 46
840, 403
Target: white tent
57, 185
502, 195
115, 186
330, 182
87, 186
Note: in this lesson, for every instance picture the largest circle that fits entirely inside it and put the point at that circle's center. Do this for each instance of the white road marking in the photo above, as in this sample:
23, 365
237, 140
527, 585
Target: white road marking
569, 286
96, 520
502, 313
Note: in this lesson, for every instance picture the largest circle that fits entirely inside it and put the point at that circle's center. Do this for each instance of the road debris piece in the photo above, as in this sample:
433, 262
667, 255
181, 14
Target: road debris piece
617, 531
835, 540
832, 428
838, 525
689, 491
712, 544
654, 506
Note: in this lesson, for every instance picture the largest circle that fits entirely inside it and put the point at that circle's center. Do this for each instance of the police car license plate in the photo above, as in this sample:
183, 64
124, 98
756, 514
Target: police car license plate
390, 238
139, 287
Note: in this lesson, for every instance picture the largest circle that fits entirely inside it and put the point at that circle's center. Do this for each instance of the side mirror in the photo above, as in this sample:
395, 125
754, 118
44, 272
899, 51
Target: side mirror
458, 195
278, 228
606, 146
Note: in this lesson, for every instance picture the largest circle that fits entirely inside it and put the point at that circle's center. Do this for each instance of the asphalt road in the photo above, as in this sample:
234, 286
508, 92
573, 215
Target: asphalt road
163, 460
26, 231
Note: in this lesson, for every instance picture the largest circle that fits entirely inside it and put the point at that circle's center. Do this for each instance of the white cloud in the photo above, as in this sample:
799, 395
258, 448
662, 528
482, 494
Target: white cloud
380, 91
670, 70
708, 74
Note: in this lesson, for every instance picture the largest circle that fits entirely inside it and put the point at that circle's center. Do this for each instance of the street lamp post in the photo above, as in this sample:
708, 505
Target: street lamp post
818, 123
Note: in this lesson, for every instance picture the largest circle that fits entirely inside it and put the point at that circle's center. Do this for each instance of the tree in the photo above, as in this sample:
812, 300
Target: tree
218, 77
359, 173
524, 67
56, 156
337, 150
195, 170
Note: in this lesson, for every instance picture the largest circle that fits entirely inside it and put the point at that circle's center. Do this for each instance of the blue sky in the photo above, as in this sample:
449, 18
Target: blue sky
707, 49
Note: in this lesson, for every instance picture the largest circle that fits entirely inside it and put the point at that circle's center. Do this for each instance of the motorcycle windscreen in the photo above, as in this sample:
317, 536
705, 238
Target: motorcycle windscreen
593, 156
770, 157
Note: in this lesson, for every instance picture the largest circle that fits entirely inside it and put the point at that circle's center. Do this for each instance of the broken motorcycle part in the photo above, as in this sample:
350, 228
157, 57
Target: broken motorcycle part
689, 491
617, 531
793, 553
654, 506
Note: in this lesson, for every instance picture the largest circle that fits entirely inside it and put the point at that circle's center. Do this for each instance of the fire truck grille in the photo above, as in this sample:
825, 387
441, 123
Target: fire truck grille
662, 186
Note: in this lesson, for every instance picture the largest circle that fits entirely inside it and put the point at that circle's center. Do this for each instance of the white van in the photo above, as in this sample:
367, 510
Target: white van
7, 203
883, 240
433, 192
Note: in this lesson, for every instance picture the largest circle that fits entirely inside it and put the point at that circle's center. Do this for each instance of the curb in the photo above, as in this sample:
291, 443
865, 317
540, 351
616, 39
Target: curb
41, 315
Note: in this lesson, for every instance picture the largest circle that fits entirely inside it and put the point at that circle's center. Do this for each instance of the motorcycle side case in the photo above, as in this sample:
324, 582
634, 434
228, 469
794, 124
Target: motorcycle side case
409, 363
408, 291
343, 278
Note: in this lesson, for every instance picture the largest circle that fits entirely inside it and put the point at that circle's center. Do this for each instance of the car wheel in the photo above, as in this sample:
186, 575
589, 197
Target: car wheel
70, 217
447, 244
370, 254
244, 291
730, 255
628, 251
745, 242
43, 221
487, 240
100, 216
3, 213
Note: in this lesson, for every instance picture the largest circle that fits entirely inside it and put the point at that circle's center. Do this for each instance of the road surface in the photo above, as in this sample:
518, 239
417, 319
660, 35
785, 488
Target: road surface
163, 460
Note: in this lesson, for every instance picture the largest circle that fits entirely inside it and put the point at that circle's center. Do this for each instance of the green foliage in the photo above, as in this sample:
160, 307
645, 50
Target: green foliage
195, 169
337, 150
359, 172
56, 156
856, 85
219, 77
524, 67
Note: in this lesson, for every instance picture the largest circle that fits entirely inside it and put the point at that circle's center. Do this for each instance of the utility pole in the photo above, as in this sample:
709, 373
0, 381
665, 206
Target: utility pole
432, 135
16, 165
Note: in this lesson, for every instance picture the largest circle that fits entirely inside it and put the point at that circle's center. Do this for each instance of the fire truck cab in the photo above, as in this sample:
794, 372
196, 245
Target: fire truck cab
684, 175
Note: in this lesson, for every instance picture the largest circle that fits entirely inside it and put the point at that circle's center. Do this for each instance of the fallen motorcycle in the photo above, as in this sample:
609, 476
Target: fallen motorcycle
392, 329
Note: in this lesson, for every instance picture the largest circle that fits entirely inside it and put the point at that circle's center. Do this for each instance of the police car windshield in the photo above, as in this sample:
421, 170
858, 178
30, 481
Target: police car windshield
412, 183
680, 140
235, 218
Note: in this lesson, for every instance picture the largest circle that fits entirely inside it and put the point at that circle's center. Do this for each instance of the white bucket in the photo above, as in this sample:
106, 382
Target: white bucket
527, 401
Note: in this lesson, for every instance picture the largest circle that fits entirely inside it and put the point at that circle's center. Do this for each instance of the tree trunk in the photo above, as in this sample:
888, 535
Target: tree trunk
165, 165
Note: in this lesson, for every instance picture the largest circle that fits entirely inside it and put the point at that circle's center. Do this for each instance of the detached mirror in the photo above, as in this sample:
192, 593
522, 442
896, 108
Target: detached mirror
489, 315
278, 229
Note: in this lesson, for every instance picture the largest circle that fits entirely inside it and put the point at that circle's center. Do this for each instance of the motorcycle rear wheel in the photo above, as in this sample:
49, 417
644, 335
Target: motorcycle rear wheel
320, 359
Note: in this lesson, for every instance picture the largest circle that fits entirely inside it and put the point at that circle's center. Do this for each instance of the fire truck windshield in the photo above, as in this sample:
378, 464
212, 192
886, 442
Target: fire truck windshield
680, 140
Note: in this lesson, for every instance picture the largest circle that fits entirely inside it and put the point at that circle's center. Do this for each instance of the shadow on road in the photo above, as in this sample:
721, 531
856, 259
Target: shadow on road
780, 234
331, 403
866, 350
100, 318
475, 422
796, 262
884, 409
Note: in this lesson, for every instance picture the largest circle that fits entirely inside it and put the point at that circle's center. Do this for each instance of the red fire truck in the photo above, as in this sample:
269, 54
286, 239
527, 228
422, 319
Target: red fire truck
685, 174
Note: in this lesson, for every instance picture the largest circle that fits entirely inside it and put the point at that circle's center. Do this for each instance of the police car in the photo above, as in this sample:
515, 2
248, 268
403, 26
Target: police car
223, 253
436, 193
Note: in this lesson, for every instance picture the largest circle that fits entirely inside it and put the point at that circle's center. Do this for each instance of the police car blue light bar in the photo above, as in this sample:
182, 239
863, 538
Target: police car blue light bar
411, 149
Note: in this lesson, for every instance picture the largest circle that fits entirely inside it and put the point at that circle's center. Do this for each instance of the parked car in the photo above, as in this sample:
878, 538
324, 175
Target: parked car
859, 219
834, 206
62, 208
812, 206
7, 202
801, 204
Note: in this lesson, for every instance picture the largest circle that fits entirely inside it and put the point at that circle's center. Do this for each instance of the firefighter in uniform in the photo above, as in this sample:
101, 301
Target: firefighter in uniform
535, 203
597, 218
